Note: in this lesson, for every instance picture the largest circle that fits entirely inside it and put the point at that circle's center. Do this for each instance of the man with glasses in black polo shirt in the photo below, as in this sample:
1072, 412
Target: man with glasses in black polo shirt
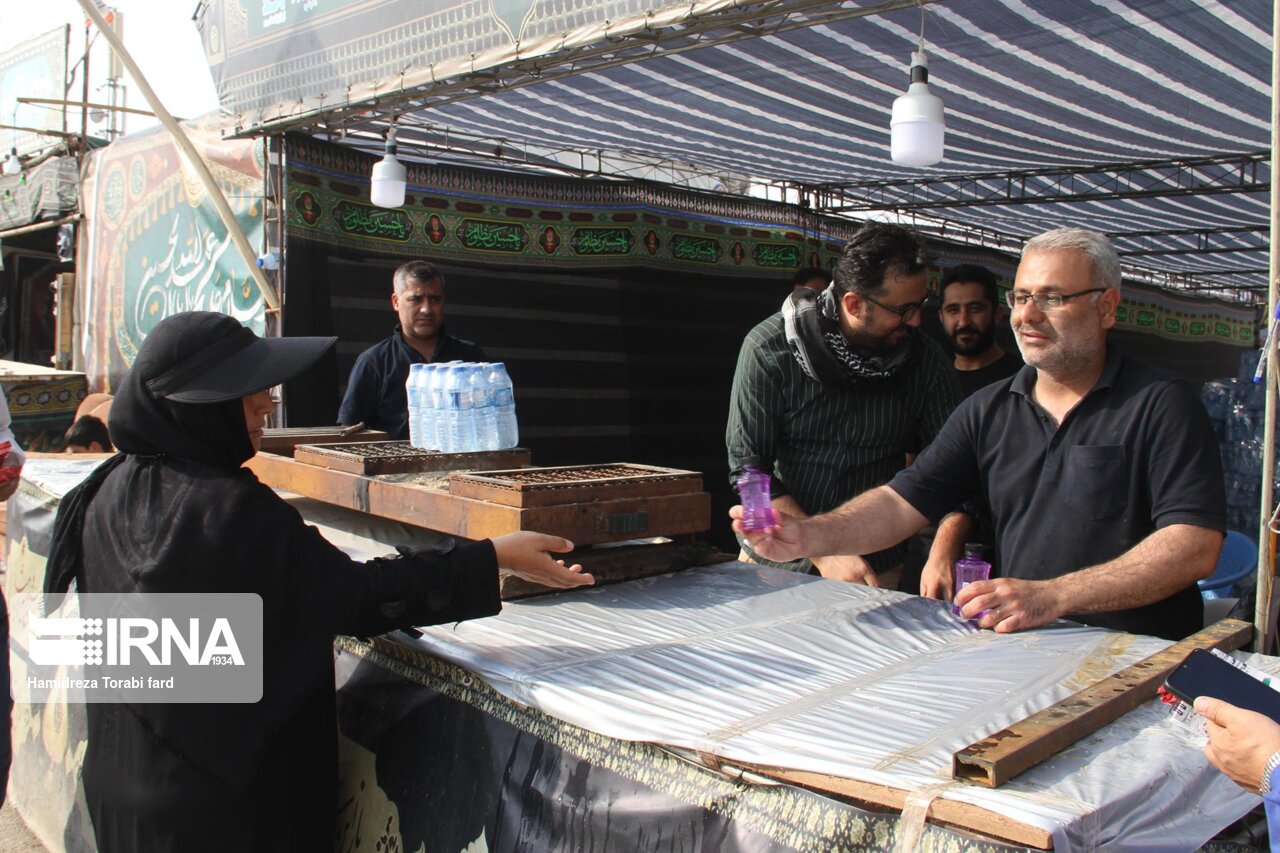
1101, 472
830, 392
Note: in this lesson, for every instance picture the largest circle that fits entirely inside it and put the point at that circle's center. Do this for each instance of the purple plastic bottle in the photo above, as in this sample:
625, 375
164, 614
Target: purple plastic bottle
753, 488
969, 568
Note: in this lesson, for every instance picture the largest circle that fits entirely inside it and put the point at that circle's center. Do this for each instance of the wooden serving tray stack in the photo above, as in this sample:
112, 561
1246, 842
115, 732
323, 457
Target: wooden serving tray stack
481, 495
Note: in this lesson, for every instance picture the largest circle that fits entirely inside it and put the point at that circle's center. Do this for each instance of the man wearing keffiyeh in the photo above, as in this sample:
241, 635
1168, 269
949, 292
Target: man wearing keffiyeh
830, 393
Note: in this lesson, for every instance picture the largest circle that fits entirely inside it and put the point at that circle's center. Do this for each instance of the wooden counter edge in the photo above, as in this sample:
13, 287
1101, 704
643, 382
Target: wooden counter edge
954, 812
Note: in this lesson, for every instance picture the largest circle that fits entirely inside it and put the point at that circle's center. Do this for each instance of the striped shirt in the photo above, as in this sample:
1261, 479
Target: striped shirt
825, 445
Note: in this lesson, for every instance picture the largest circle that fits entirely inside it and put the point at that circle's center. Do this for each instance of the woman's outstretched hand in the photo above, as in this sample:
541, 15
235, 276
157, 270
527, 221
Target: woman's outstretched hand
527, 555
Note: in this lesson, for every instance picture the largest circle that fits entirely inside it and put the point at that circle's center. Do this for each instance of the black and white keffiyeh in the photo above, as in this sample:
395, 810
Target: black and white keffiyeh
812, 325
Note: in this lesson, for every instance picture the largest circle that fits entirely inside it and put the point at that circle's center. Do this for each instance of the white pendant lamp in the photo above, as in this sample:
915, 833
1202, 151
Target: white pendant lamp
12, 165
390, 177
917, 128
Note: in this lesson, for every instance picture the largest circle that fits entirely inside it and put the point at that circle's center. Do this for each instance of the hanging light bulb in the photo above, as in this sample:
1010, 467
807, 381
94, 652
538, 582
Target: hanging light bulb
12, 165
917, 128
389, 177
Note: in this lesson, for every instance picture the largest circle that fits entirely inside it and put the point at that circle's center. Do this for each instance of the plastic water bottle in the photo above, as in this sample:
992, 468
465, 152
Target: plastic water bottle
757, 502
447, 411
425, 414
460, 429
482, 404
430, 411
504, 405
437, 430
413, 391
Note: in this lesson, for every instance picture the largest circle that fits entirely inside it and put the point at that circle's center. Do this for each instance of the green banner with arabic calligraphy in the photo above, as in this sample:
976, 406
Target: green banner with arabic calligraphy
1179, 318
453, 214
365, 220
599, 242
157, 244
480, 235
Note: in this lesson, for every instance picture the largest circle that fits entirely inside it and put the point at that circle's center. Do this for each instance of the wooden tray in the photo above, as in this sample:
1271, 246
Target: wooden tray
435, 508
573, 484
400, 457
283, 440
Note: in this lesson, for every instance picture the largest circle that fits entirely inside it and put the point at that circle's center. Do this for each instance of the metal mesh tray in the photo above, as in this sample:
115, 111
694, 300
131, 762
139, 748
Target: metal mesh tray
400, 457
527, 487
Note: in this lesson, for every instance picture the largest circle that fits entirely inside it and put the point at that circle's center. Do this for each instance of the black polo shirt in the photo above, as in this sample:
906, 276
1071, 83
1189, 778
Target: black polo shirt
375, 391
1137, 454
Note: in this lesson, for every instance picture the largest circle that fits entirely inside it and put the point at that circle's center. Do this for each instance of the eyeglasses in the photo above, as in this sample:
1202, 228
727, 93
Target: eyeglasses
905, 312
1046, 302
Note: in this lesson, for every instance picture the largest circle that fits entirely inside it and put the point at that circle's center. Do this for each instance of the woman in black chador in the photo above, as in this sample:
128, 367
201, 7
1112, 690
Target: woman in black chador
174, 512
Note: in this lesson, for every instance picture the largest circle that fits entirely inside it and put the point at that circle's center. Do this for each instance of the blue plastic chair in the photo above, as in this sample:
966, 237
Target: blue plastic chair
1236, 563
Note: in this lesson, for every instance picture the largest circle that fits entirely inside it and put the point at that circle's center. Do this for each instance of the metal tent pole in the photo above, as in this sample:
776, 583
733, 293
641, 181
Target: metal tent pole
1262, 624
189, 152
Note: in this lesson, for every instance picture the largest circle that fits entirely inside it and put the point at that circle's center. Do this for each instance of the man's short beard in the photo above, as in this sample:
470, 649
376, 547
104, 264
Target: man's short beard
978, 346
882, 346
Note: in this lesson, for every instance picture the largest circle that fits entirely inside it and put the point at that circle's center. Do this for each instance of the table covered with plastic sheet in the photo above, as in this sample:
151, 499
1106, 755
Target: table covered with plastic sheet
764, 667
616, 718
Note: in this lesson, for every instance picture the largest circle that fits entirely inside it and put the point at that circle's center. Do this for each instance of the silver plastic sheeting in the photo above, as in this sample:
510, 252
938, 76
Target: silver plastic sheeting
769, 667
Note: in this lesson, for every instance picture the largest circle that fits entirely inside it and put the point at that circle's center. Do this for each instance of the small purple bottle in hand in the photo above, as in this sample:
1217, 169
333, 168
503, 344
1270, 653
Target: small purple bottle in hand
753, 488
969, 568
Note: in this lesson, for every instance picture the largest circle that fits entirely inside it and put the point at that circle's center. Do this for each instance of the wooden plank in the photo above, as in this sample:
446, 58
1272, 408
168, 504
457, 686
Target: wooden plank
624, 563
563, 485
962, 815
994, 760
399, 457
435, 508
282, 440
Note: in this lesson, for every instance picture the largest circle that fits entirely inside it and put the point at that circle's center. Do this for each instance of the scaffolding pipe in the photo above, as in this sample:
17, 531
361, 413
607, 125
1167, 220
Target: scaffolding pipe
188, 150
1262, 623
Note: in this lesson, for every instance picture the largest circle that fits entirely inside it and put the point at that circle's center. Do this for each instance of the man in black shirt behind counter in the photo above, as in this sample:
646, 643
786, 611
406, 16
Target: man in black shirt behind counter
970, 312
375, 393
1101, 472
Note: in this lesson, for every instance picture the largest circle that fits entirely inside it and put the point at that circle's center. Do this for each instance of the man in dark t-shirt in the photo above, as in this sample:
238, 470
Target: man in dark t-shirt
970, 312
1102, 475
376, 394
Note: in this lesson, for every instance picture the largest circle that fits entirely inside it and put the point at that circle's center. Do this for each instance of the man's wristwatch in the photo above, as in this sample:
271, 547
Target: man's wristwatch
1264, 787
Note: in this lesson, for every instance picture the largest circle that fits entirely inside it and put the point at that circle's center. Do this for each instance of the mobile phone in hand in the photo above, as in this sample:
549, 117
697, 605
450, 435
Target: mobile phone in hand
1206, 674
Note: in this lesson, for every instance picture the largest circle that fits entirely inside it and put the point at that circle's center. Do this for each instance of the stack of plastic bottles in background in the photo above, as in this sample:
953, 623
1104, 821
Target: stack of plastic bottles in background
1236, 408
461, 407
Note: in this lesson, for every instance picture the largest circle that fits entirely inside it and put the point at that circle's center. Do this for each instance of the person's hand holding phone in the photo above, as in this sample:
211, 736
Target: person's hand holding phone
1240, 741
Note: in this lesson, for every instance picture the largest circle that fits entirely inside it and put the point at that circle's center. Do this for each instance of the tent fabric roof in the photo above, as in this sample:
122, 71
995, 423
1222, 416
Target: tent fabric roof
1022, 90
1124, 98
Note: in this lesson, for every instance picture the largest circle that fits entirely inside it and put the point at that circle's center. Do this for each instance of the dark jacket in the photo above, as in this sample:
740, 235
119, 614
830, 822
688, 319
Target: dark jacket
375, 393
244, 776
174, 512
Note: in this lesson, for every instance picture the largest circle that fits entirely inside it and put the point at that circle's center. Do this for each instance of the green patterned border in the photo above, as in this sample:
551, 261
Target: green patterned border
474, 216
1181, 320
780, 812
487, 217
